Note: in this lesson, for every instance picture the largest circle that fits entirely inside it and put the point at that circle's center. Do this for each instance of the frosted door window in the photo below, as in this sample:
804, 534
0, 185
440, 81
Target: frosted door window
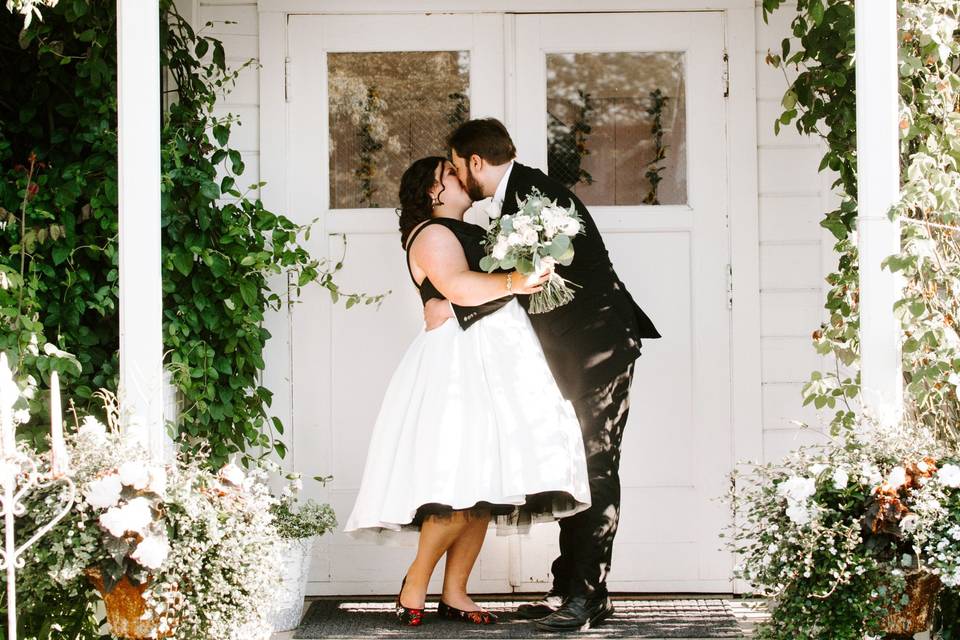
616, 126
387, 110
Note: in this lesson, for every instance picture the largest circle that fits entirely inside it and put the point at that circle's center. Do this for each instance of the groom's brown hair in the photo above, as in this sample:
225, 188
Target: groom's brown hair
485, 137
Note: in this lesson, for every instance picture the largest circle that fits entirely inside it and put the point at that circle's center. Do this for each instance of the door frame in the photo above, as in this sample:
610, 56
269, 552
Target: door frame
742, 164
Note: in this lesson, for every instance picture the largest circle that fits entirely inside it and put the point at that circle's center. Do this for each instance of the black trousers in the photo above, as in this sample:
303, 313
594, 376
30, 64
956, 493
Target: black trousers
586, 539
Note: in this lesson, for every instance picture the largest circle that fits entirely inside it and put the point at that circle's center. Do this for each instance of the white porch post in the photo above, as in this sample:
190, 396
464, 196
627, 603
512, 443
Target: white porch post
878, 178
141, 304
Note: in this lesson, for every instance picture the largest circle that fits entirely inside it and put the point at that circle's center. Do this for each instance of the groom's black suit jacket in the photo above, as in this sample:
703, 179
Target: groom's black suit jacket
593, 338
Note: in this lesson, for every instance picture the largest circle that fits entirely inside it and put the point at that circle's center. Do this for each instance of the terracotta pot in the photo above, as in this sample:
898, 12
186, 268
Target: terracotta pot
917, 615
125, 608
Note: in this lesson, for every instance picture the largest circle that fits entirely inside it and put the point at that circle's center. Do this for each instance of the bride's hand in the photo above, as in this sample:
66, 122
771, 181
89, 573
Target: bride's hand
532, 283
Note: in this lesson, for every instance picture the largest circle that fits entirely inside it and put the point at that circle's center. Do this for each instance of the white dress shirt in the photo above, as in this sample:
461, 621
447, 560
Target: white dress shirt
501, 191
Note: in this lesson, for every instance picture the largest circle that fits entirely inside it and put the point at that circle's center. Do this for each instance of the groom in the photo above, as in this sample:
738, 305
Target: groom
590, 344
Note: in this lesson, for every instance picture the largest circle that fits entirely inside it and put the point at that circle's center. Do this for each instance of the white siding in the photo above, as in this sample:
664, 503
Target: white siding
795, 253
235, 23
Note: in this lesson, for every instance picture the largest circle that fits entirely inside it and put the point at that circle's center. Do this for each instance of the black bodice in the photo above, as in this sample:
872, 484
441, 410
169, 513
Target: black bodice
470, 236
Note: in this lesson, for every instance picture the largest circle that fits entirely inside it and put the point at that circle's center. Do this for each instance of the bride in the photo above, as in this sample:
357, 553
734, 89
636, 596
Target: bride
472, 430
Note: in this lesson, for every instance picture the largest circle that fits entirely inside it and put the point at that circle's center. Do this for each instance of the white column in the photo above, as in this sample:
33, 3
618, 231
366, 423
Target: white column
141, 302
878, 178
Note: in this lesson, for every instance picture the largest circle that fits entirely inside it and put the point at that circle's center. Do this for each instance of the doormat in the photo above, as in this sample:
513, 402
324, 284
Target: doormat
632, 619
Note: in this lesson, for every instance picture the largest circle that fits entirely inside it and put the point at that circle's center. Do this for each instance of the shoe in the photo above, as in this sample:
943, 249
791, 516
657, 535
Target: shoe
476, 617
542, 607
407, 616
578, 613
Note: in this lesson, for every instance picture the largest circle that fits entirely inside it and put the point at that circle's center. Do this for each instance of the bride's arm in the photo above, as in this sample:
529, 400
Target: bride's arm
438, 252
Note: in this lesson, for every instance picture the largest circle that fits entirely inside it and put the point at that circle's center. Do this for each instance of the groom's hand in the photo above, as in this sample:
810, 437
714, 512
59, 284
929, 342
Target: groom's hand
436, 312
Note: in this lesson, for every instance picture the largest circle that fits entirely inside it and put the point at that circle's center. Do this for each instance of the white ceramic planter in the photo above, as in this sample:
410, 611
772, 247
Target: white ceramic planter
294, 569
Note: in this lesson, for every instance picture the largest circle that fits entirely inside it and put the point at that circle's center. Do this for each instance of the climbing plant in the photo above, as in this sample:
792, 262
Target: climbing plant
820, 100
58, 224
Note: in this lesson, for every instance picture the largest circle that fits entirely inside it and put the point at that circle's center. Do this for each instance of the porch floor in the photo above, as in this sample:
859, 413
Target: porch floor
691, 617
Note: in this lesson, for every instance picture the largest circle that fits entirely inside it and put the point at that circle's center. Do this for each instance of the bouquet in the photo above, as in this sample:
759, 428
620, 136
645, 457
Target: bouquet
538, 236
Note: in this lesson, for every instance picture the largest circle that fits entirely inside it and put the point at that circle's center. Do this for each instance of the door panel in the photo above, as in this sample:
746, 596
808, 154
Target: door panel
633, 122
354, 123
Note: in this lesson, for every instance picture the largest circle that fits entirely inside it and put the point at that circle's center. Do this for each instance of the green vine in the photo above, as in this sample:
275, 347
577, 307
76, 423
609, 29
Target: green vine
567, 144
368, 146
460, 111
820, 100
657, 103
58, 223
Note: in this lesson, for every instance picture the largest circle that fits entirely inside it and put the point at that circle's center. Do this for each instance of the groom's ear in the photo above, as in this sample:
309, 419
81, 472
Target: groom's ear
476, 163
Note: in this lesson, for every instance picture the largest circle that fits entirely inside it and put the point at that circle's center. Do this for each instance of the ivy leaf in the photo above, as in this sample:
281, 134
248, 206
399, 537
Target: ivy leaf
183, 261
221, 134
816, 11
248, 292
210, 190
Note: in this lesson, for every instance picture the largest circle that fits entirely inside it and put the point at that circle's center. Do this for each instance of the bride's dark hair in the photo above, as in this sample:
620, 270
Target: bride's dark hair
416, 205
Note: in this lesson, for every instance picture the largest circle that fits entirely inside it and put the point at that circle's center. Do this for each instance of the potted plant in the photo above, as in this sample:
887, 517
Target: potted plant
181, 551
853, 537
298, 524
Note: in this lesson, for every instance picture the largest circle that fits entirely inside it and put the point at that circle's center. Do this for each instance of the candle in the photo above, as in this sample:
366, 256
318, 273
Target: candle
59, 459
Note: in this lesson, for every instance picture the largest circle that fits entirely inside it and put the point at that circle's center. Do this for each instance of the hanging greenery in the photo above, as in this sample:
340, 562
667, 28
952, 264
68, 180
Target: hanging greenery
369, 145
820, 100
567, 144
58, 223
657, 103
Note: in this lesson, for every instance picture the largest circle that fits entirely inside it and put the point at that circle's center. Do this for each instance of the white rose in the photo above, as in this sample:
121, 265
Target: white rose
871, 475
134, 474
104, 492
514, 239
572, 227
500, 249
949, 475
158, 480
840, 478
797, 488
799, 514
152, 552
818, 468
232, 474
898, 477
135, 516
522, 223
530, 237
92, 429
492, 209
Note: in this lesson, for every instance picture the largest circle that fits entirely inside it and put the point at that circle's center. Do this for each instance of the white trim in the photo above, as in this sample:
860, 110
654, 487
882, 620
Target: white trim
141, 278
878, 180
278, 373
742, 151
496, 6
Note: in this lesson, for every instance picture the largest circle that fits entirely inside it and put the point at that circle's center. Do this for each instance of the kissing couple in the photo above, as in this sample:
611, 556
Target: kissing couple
496, 416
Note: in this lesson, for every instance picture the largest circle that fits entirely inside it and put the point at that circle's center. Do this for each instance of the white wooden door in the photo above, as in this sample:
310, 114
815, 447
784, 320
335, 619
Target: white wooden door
601, 70
356, 83
366, 95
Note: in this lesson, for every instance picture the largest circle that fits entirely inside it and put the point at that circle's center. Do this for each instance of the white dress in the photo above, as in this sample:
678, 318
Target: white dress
473, 418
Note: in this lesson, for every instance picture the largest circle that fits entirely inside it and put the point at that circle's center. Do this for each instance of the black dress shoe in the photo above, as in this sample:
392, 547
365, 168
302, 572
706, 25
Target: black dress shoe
542, 607
578, 613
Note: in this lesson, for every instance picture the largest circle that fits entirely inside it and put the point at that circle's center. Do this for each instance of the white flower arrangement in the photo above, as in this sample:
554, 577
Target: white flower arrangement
838, 528
202, 541
537, 237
